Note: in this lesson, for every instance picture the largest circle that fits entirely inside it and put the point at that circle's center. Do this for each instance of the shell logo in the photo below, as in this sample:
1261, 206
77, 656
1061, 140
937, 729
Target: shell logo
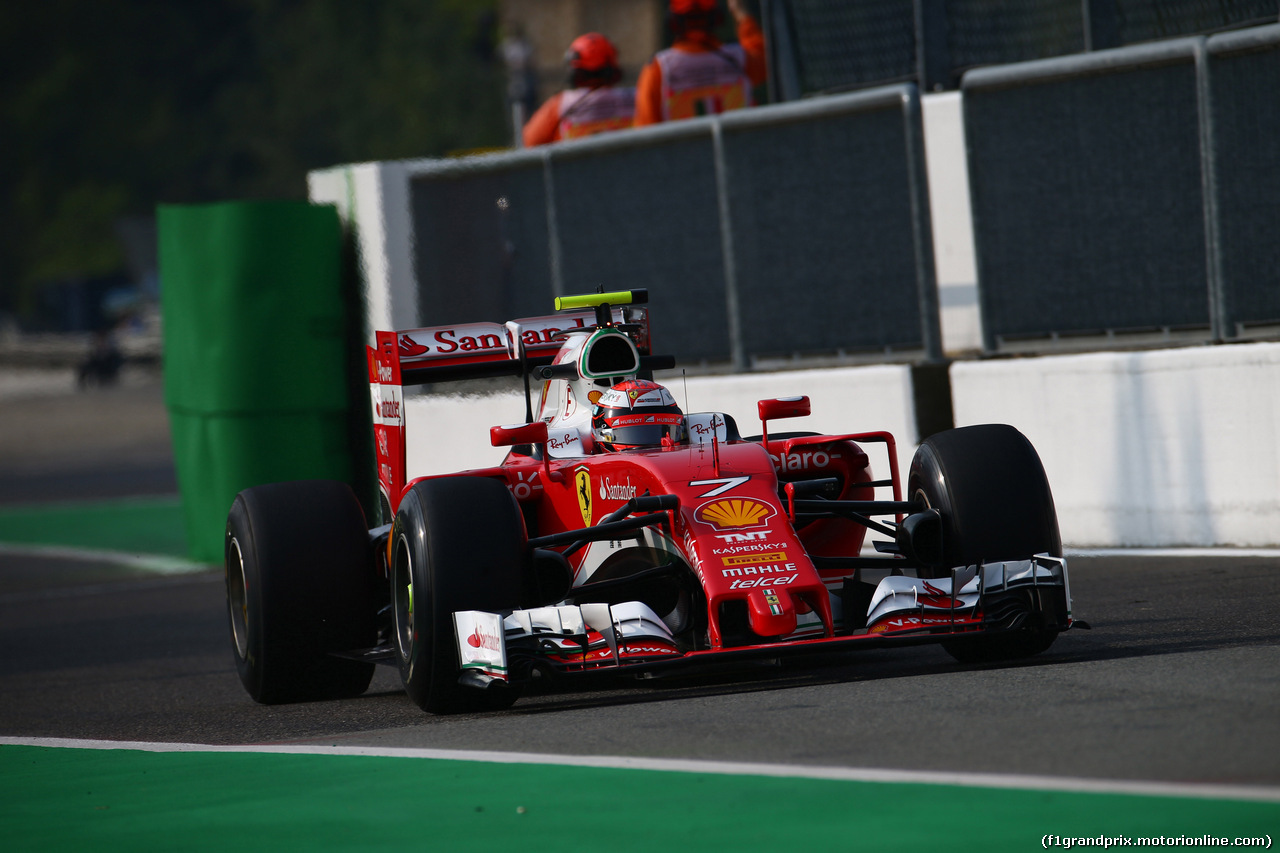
732, 513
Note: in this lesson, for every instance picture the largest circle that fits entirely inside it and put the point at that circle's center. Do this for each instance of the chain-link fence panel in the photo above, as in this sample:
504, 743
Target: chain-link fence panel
994, 32
481, 247
844, 45
1085, 181
835, 44
822, 225
1244, 77
647, 215
1147, 20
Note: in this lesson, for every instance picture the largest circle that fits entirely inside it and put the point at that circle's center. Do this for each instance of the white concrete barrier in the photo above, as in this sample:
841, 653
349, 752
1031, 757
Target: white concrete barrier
1173, 447
451, 433
373, 200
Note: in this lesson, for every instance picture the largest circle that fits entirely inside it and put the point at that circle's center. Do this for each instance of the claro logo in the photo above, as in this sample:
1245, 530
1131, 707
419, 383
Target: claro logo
803, 461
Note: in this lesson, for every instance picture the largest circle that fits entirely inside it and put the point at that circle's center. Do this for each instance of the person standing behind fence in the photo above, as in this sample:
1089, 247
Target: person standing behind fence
594, 103
698, 75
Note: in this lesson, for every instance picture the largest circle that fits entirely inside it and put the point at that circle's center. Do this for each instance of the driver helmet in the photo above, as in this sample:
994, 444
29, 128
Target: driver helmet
685, 15
636, 413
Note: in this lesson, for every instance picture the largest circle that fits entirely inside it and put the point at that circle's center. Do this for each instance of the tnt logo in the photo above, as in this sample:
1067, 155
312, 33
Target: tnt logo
752, 536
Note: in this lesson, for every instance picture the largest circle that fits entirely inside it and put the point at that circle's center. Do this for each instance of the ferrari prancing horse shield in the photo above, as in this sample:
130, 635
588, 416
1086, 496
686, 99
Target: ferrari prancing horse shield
582, 480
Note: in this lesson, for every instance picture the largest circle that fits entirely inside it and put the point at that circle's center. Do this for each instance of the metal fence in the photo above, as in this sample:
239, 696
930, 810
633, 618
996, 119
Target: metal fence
1243, 129
833, 45
1130, 192
779, 233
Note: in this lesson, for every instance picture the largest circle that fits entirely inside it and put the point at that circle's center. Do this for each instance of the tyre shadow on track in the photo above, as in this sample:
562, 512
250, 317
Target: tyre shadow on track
1136, 608
607, 691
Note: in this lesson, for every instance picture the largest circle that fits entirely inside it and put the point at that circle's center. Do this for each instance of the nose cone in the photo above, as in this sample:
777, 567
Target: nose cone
771, 612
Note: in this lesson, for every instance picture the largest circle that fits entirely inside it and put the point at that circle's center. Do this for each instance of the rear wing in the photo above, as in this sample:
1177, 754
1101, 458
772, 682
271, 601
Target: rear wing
466, 351
475, 350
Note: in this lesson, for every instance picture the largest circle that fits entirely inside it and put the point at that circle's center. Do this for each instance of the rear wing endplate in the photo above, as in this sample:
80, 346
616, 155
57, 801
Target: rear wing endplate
466, 351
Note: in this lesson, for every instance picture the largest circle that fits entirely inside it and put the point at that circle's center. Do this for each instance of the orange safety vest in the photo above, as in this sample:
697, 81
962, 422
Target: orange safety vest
587, 111
704, 83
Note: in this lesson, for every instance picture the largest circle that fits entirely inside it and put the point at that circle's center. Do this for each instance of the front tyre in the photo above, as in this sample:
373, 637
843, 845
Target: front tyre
991, 490
298, 574
458, 543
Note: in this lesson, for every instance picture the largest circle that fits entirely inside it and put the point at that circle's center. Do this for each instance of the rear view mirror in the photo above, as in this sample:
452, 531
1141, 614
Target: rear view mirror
783, 407
508, 436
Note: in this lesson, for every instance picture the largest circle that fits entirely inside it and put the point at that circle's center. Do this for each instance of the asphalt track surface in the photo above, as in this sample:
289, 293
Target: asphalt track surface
1178, 680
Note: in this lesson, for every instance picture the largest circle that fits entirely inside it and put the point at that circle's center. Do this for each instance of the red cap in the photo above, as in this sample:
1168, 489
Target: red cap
592, 52
691, 7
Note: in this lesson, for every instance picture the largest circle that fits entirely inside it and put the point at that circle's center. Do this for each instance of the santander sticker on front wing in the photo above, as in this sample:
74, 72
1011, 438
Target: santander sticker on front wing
481, 645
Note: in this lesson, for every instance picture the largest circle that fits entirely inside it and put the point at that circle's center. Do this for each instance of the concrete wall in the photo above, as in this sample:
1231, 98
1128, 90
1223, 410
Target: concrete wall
373, 201
1157, 448
1143, 449
451, 433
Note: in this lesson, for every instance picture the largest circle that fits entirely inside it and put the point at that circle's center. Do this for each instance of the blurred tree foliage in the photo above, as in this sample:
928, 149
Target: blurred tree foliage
109, 107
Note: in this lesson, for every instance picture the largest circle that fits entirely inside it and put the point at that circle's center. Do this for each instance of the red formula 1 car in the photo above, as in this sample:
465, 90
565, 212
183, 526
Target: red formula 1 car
620, 534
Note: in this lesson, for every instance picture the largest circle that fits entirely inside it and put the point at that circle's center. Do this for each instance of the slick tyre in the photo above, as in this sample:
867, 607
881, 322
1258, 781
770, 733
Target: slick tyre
990, 488
299, 575
458, 543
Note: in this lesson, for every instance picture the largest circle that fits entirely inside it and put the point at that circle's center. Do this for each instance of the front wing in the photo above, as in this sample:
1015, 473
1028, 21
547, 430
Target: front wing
628, 636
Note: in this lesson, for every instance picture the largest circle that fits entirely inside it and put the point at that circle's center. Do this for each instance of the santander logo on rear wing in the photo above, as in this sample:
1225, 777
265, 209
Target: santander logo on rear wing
483, 343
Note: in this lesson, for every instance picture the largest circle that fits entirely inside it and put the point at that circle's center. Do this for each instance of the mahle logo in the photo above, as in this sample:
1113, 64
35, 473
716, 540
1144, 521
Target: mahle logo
734, 513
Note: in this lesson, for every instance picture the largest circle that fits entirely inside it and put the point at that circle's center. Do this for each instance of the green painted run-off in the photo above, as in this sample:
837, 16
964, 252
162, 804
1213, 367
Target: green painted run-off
74, 799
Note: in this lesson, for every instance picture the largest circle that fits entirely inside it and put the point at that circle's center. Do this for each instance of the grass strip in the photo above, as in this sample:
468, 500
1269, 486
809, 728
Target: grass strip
106, 800
135, 526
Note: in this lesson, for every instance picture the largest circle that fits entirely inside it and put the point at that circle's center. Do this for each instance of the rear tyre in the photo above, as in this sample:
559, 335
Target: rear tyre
990, 487
458, 543
299, 587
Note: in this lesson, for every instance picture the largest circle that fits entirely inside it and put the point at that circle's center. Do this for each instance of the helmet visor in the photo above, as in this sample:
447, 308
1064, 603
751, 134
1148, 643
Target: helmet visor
637, 430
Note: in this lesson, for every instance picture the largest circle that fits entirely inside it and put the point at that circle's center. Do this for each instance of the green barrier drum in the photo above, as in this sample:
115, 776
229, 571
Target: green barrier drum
256, 352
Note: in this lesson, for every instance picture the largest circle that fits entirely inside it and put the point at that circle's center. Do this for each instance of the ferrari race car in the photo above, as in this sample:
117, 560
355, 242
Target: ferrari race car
622, 535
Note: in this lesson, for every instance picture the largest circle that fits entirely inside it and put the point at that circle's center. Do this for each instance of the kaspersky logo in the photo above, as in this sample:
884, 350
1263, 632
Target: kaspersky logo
582, 484
734, 513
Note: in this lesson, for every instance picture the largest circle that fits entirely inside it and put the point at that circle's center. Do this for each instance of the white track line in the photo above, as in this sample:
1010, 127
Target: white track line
153, 563
734, 768
166, 565
1172, 552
